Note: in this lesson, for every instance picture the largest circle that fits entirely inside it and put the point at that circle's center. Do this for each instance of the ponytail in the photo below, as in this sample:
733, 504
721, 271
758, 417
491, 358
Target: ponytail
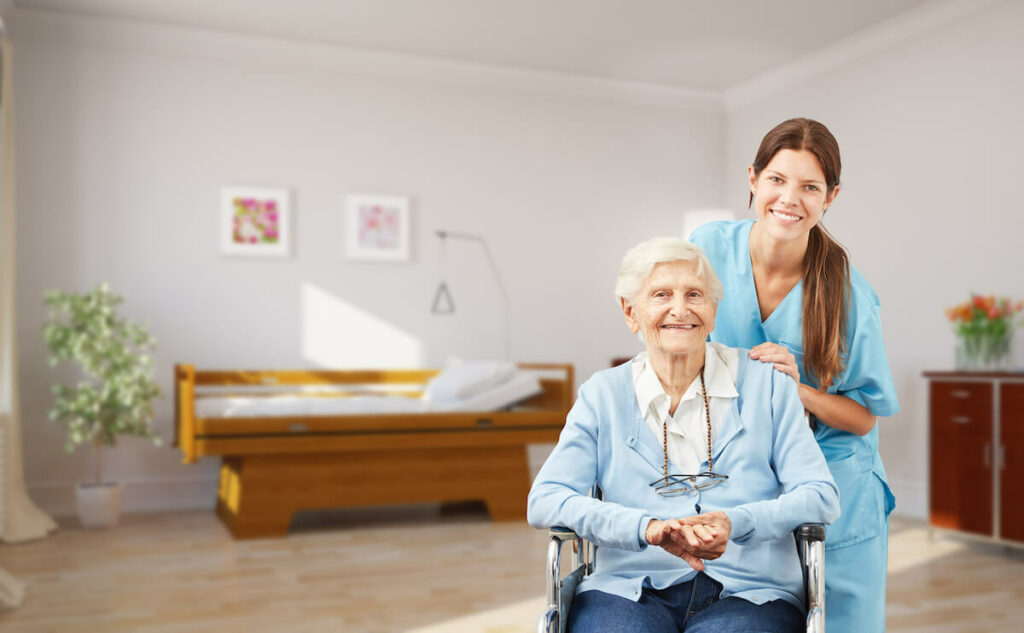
826, 277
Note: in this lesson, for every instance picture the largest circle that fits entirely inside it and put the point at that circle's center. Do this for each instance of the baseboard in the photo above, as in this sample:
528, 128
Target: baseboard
199, 493
58, 499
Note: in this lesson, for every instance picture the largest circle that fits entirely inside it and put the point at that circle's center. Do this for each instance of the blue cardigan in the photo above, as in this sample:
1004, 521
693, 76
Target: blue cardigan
777, 480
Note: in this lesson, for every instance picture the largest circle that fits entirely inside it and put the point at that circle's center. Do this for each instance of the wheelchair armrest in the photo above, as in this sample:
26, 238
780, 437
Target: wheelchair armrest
810, 544
559, 590
810, 532
562, 533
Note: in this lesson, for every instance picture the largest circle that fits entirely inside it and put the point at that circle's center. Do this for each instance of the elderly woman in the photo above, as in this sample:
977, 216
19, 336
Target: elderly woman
704, 461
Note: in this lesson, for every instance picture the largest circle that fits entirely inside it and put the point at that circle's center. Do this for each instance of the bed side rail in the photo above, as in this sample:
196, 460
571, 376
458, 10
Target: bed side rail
288, 377
557, 385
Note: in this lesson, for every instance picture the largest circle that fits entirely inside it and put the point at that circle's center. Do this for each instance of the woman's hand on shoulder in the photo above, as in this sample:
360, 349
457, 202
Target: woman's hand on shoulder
780, 357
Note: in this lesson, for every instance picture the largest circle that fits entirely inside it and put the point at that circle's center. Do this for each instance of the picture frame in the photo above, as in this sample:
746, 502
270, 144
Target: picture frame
377, 228
255, 221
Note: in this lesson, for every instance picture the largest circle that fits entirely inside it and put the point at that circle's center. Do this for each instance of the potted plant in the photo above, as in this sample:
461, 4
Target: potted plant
115, 391
984, 328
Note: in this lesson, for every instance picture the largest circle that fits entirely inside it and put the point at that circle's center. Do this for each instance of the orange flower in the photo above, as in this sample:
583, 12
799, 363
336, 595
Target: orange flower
982, 309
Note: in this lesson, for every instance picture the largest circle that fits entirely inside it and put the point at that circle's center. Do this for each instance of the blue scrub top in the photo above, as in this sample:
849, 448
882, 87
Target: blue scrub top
867, 378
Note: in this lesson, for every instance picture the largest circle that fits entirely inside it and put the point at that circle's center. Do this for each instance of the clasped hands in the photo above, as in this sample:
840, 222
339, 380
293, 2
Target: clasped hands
694, 539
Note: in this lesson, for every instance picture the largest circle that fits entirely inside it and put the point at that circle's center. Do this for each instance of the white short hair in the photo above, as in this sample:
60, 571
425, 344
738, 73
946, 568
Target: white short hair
640, 260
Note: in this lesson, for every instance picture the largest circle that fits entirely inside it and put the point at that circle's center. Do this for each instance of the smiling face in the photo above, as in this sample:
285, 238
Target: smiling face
673, 311
790, 194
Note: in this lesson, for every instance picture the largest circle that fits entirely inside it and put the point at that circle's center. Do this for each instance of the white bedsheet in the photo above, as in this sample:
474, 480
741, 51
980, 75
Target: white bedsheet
521, 386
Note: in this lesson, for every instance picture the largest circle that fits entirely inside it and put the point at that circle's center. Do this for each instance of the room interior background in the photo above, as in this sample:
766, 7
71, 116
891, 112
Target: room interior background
126, 131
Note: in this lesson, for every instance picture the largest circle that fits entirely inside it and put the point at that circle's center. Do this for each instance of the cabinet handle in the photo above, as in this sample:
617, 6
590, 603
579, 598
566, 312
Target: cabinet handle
960, 419
987, 456
960, 393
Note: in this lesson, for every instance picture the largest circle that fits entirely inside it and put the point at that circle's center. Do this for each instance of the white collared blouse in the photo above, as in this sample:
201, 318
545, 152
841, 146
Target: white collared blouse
687, 426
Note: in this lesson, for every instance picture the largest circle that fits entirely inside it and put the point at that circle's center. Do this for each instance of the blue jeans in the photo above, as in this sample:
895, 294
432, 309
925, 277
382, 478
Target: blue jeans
692, 606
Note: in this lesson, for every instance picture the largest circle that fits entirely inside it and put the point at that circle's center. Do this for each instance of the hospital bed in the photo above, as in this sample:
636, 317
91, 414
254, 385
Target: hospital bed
299, 440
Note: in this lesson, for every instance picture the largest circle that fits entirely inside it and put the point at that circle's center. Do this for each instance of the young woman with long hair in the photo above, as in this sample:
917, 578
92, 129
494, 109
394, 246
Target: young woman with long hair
794, 300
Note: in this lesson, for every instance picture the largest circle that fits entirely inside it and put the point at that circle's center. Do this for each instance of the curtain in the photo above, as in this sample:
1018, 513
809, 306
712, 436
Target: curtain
20, 519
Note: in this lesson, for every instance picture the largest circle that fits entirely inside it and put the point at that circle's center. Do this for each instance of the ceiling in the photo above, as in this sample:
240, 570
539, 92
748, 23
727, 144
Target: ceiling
700, 45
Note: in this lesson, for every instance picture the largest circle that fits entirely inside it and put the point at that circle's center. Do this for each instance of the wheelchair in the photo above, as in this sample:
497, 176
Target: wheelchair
810, 544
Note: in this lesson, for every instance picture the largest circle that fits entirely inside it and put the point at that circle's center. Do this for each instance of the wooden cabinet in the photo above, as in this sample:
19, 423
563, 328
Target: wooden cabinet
1010, 457
976, 453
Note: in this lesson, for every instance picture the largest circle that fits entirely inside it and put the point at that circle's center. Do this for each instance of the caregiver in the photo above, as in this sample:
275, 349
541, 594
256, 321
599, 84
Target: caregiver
793, 299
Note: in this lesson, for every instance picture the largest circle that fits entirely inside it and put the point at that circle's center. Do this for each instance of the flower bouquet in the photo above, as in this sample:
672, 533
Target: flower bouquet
984, 326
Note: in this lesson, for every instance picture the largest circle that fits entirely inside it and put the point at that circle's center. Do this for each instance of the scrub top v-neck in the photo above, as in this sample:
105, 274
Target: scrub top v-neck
790, 307
738, 320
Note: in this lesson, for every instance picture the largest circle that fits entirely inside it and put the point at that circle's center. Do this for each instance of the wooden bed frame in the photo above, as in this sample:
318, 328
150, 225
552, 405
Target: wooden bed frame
272, 467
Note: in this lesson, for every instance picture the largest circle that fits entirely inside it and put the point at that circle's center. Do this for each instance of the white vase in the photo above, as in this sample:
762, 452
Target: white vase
99, 505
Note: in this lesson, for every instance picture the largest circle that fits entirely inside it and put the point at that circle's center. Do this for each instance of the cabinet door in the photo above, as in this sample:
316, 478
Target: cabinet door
961, 456
1011, 473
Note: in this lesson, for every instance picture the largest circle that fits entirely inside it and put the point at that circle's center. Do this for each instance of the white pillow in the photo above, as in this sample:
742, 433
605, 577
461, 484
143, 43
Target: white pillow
465, 379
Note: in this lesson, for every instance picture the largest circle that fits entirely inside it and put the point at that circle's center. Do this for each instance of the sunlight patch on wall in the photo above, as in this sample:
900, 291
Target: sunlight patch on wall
336, 334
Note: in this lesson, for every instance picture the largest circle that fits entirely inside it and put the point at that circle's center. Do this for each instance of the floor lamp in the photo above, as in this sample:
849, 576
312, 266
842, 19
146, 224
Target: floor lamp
443, 302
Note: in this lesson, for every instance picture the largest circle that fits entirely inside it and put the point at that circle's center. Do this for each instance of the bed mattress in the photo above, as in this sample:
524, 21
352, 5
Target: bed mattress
521, 386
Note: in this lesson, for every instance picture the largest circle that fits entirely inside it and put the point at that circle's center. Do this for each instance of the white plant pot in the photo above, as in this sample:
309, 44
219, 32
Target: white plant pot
99, 505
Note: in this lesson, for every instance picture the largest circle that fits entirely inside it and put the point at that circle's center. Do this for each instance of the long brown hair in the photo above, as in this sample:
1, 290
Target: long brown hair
826, 266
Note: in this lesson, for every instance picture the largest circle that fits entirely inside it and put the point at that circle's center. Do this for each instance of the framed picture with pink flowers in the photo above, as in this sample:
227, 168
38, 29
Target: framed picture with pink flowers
254, 221
377, 228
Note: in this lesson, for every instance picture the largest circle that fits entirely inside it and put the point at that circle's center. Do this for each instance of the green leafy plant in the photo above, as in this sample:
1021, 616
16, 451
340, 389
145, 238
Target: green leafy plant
115, 392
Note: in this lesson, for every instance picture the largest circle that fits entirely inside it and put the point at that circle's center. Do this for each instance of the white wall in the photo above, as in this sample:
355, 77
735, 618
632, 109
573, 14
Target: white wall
126, 132
931, 131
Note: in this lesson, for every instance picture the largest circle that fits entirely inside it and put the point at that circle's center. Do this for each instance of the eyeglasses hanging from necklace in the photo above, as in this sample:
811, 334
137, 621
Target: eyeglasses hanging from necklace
678, 485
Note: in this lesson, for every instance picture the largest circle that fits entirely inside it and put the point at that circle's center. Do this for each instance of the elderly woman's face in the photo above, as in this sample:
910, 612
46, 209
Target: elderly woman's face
674, 311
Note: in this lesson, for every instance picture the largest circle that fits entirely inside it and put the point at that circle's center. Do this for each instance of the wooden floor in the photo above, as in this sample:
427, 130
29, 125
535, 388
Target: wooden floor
413, 568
